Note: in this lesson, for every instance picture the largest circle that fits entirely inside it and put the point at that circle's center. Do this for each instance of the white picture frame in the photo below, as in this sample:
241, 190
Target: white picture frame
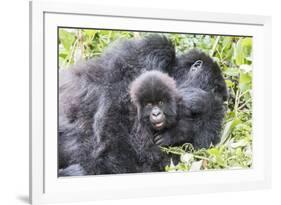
46, 187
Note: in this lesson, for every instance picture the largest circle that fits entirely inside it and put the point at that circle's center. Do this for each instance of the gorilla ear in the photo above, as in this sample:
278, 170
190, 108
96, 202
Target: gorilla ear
197, 64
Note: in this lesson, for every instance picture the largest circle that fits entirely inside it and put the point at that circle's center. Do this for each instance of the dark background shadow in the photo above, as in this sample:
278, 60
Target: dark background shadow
24, 199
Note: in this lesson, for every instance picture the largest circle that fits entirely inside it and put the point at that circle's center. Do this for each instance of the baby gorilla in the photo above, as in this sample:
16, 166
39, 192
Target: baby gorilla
173, 116
154, 95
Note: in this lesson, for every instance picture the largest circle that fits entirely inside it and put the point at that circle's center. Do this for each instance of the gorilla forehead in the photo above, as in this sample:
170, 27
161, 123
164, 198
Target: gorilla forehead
152, 86
210, 69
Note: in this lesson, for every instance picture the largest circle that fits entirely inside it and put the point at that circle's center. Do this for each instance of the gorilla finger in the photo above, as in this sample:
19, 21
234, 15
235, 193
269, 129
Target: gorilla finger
159, 141
158, 137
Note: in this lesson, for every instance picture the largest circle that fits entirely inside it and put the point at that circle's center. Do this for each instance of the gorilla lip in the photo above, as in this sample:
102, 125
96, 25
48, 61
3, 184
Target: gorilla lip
158, 125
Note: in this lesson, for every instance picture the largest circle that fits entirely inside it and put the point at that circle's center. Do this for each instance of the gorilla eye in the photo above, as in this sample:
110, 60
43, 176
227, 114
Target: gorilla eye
160, 103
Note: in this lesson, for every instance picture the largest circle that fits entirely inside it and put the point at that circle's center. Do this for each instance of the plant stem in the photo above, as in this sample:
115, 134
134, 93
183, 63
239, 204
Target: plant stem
237, 101
72, 52
200, 157
244, 93
214, 46
239, 108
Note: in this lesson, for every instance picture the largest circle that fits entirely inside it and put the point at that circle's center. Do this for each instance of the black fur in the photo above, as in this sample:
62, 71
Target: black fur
192, 114
96, 116
203, 91
152, 90
72, 170
94, 105
208, 77
199, 120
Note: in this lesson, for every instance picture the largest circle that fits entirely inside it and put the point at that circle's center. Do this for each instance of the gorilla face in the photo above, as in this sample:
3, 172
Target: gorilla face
157, 117
158, 114
155, 95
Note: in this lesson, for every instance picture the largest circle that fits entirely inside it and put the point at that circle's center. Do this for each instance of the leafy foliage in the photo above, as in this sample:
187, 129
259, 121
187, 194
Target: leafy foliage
232, 53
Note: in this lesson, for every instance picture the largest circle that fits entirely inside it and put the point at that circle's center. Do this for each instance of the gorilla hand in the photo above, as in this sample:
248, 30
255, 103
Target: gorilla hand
163, 139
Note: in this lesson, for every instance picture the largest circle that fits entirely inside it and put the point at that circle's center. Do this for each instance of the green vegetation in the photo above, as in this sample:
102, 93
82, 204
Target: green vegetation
232, 53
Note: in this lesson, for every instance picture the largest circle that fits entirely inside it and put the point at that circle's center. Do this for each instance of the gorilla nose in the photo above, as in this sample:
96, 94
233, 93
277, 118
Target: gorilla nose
156, 112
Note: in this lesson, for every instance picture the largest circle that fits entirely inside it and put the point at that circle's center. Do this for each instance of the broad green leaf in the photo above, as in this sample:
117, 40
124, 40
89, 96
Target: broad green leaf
90, 32
228, 129
229, 83
214, 151
245, 81
66, 38
243, 50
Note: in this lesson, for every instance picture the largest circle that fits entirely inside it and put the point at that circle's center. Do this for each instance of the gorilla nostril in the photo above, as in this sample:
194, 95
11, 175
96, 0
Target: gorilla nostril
155, 113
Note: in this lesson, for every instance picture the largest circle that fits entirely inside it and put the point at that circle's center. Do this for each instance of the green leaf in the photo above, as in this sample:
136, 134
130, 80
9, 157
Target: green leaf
245, 81
186, 158
66, 38
245, 68
240, 143
214, 151
232, 72
243, 50
228, 129
90, 32
229, 83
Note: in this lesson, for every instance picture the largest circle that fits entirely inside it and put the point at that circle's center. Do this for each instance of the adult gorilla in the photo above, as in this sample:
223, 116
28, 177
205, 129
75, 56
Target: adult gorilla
94, 106
96, 115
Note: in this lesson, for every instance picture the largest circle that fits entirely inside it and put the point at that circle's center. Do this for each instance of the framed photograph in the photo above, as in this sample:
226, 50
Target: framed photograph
129, 102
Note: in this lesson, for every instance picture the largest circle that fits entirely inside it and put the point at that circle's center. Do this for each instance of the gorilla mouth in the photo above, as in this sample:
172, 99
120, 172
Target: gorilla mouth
158, 125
